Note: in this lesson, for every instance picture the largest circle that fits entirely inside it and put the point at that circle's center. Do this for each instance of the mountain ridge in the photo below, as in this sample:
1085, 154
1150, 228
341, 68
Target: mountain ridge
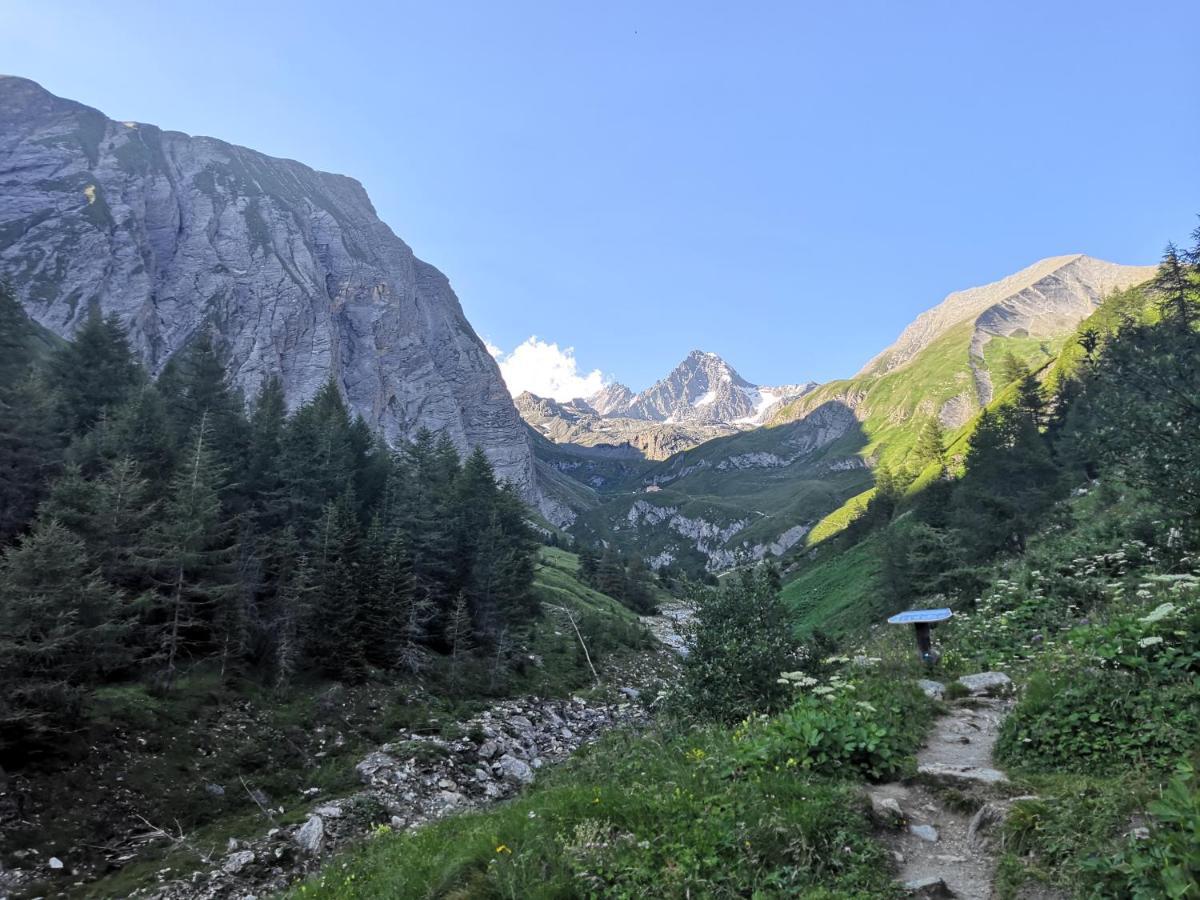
289, 267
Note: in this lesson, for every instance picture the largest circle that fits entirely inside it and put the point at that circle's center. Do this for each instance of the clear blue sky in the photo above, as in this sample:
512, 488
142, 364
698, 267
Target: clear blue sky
786, 184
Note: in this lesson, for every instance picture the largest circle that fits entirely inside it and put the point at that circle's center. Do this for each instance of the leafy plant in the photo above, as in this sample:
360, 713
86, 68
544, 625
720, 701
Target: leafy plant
870, 727
1167, 863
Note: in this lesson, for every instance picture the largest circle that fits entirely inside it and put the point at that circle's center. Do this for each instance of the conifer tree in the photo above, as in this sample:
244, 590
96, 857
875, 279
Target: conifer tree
334, 636
188, 556
109, 514
1177, 284
1012, 369
459, 633
92, 374
196, 386
931, 446
60, 629
292, 601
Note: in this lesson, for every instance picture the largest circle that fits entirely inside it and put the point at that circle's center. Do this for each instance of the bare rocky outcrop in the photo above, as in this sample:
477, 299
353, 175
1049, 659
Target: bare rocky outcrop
290, 268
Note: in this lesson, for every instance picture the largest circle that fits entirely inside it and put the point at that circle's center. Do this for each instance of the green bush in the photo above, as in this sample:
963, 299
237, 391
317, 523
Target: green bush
870, 728
1167, 864
743, 642
1100, 721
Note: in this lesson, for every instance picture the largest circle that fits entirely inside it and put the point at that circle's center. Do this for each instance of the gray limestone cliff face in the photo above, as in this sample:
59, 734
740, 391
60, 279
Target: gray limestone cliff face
291, 268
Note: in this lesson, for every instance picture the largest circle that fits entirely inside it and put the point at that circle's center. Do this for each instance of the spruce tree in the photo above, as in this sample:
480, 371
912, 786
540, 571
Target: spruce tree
459, 634
931, 446
196, 386
92, 374
187, 555
334, 636
61, 628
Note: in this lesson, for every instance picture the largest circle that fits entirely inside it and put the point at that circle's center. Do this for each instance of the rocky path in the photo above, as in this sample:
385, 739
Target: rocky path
937, 825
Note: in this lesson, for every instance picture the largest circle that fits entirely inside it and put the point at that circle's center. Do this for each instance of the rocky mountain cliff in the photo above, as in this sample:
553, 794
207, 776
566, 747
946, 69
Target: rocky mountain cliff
290, 268
578, 423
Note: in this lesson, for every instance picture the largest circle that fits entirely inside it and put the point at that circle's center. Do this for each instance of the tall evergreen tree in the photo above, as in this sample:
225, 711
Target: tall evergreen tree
334, 636
188, 556
60, 629
92, 374
197, 387
930, 448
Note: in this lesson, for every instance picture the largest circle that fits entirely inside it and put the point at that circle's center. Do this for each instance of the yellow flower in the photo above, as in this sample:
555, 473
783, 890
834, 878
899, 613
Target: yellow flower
503, 848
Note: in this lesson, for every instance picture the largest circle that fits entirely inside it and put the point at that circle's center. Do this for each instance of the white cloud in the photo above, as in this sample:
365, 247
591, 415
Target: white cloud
545, 369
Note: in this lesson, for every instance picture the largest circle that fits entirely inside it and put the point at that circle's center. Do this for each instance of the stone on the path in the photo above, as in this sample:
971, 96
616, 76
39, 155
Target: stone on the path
959, 776
235, 862
933, 689
987, 816
933, 888
55, 863
924, 832
989, 683
886, 811
311, 835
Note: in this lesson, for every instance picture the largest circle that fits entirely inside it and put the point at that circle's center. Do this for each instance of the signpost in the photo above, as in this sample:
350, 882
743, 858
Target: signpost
923, 621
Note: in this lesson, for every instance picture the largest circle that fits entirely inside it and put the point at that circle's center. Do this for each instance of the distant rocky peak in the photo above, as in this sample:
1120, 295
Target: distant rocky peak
611, 400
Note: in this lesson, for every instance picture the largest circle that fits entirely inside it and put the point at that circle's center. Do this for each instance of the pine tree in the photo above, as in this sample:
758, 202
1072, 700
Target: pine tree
188, 558
317, 460
1176, 282
109, 514
459, 633
93, 374
931, 446
28, 451
1012, 369
196, 386
293, 601
334, 636
60, 629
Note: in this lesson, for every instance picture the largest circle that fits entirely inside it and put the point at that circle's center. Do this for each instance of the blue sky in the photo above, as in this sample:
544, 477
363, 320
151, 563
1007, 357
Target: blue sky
786, 184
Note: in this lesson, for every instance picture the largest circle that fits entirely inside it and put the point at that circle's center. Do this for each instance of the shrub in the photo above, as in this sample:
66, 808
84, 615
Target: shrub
743, 641
1167, 864
870, 728
1098, 720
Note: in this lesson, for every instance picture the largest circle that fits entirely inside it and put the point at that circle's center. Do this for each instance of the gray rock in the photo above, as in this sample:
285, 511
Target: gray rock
235, 862
957, 776
986, 817
329, 811
55, 863
631, 692
990, 683
924, 832
214, 790
291, 267
513, 770
488, 749
933, 888
311, 835
886, 811
933, 689
377, 768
